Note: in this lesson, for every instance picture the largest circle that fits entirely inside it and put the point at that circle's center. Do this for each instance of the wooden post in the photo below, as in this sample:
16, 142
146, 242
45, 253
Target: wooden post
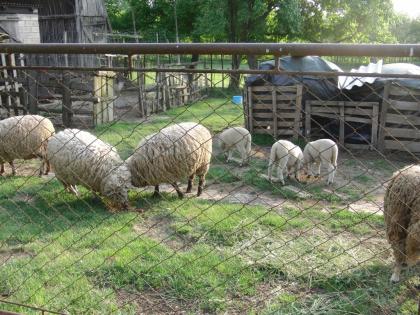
223, 75
308, 120
250, 118
32, 79
382, 118
67, 110
342, 125
7, 87
274, 103
374, 132
299, 94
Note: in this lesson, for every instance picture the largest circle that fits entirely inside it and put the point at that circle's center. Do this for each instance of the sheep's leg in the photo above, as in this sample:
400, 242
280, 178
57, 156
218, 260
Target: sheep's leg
201, 183
41, 168
178, 191
1, 169
156, 193
243, 154
270, 169
74, 190
190, 183
331, 173
282, 166
12, 165
318, 169
400, 257
230, 153
47, 162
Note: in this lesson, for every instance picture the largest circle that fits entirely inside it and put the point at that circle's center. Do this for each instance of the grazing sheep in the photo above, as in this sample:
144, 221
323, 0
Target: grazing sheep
176, 152
79, 157
25, 137
235, 137
321, 152
287, 157
402, 217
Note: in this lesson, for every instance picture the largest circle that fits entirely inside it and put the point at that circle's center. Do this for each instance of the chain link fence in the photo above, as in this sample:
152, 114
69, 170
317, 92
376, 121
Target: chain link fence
111, 229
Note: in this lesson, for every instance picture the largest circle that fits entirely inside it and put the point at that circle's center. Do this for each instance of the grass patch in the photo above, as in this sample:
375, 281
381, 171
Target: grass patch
220, 174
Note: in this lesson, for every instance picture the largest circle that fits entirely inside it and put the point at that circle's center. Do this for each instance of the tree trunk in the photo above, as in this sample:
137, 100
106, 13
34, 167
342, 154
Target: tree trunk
252, 61
235, 77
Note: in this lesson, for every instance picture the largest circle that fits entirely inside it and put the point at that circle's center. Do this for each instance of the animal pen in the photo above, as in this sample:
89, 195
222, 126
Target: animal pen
245, 245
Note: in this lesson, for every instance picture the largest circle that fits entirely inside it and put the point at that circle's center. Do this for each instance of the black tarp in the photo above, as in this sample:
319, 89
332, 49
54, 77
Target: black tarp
316, 87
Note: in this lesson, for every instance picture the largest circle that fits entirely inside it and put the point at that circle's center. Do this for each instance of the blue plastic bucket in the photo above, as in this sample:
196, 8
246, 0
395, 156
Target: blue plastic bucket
237, 99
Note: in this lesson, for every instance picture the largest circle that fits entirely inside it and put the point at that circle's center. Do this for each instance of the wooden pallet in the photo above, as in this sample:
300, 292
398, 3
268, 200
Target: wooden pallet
400, 119
274, 110
345, 112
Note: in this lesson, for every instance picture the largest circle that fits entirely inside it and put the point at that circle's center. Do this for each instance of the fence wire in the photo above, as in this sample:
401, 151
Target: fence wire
115, 227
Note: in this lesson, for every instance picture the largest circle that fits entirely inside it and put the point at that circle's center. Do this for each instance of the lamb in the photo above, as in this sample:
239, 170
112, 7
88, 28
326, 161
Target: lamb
286, 156
175, 152
402, 217
79, 157
235, 137
320, 152
25, 137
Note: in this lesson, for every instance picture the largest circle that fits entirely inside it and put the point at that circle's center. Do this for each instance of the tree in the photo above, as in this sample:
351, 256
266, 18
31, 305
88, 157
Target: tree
349, 21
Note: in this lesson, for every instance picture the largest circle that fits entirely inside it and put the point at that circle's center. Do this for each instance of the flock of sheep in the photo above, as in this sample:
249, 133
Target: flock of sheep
183, 151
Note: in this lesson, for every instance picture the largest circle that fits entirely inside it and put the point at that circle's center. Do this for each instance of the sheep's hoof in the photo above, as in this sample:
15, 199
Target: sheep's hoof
395, 278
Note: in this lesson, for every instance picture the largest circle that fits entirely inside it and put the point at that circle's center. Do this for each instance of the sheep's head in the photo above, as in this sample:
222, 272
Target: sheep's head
116, 186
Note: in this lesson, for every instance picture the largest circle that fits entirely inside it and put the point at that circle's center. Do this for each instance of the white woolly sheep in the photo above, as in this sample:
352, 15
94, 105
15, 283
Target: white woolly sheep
25, 137
287, 157
79, 157
235, 137
402, 217
321, 152
172, 154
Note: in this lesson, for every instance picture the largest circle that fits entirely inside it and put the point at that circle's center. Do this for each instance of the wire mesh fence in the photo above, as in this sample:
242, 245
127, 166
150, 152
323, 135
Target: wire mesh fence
188, 188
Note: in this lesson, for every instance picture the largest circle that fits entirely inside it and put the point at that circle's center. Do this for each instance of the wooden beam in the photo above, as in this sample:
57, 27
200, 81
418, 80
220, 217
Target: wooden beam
383, 116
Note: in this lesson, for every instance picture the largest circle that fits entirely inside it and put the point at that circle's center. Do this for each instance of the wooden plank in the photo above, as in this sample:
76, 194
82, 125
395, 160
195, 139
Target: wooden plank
269, 88
269, 97
407, 146
298, 110
263, 131
269, 123
403, 105
375, 122
341, 135
383, 117
403, 119
403, 91
279, 116
357, 146
274, 112
308, 120
269, 106
281, 132
408, 133
346, 103
347, 111
324, 109
251, 109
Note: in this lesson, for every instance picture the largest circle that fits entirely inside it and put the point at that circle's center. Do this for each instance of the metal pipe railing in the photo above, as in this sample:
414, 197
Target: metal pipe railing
273, 49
